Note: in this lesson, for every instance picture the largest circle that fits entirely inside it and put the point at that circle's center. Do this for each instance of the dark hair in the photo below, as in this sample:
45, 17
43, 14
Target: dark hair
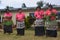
19, 9
38, 7
6, 10
50, 6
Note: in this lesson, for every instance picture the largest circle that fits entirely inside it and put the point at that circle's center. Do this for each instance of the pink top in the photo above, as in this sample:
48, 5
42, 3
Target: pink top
8, 14
20, 17
48, 12
39, 14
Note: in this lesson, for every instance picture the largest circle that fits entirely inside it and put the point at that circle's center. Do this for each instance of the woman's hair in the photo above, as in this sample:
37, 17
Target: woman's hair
50, 6
38, 7
7, 10
19, 9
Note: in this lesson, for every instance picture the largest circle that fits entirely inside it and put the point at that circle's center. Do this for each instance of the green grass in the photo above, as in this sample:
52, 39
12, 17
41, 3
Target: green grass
29, 35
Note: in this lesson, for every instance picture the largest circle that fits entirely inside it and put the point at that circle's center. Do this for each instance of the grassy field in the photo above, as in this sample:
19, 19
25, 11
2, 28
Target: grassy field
29, 35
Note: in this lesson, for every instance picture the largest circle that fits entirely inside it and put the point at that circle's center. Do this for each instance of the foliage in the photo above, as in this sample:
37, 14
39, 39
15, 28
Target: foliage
47, 4
51, 17
29, 21
23, 5
40, 3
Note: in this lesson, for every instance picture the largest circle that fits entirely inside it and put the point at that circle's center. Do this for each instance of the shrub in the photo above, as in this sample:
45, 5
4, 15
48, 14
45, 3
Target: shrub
29, 21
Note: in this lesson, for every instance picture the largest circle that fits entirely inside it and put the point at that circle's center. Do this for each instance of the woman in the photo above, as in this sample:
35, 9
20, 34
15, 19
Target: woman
7, 23
39, 24
20, 17
51, 28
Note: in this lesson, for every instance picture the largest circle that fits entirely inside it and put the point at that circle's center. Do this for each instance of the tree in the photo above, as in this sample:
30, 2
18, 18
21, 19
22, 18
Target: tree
47, 4
23, 5
40, 3
7, 7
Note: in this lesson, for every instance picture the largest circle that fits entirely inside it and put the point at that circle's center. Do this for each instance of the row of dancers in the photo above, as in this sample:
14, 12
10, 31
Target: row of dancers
50, 22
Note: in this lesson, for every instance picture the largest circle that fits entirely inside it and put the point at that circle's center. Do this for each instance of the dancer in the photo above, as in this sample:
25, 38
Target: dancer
51, 28
39, 24
20, 17
7, 22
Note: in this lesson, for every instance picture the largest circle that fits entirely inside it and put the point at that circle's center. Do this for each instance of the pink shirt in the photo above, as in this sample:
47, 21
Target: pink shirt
39, 14
8, 14
20, 17
48, 12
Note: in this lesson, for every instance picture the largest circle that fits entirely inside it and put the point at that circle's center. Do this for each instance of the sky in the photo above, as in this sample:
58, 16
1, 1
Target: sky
29, 3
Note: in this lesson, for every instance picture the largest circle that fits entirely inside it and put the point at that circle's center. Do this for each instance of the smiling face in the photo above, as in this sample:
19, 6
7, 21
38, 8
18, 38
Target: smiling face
50, 7
7, 11
20, 10
38, 9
